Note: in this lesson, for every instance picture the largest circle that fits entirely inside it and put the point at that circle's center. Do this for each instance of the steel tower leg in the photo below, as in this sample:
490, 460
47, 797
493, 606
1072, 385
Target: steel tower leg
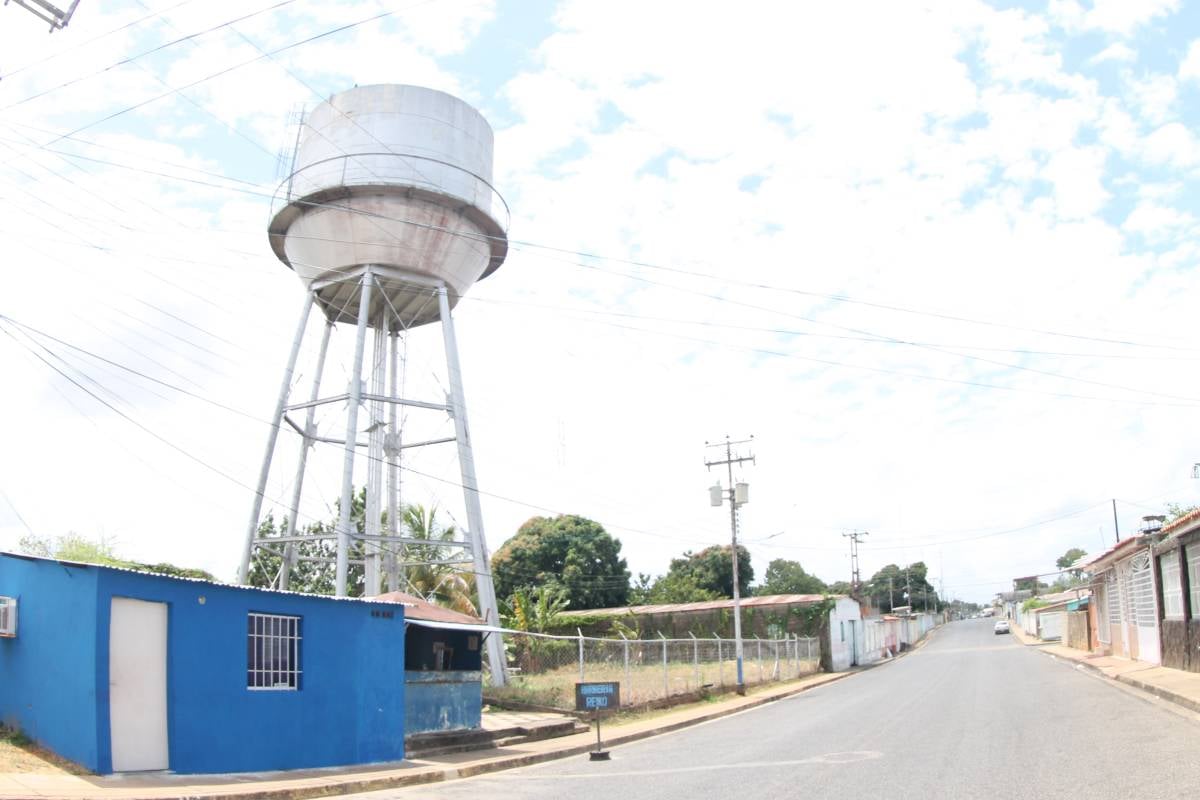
243, 573
466, 461
372, 547
344, 517
310, 430
392, 449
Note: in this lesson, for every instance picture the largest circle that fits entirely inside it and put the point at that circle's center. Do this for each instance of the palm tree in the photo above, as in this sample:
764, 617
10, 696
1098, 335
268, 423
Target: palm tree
447, 585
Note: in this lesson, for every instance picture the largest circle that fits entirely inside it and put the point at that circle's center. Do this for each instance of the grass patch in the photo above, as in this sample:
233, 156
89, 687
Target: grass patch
19, 753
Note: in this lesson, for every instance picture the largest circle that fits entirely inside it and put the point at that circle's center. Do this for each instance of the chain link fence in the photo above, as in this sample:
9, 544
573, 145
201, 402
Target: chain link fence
543, 669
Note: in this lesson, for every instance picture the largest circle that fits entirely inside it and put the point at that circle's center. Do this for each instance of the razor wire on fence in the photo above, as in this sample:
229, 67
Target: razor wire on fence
543, 669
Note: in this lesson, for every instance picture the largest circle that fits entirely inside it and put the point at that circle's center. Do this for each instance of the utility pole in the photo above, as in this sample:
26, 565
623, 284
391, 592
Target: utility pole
908, 590
854, 575
1116, 525
891, 593
738, 494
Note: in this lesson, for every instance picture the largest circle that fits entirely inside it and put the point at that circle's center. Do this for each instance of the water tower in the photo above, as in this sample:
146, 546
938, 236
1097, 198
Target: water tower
388, 217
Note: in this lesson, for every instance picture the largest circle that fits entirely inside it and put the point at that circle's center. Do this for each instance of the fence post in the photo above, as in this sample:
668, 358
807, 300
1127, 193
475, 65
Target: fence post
775, 675
720, 661
580, 632
666, 671
759, 645
695, 658
625, 645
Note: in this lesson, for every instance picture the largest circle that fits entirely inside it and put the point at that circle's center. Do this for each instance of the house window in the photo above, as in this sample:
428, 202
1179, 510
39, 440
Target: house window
272, 652
1172, 590
1193, 566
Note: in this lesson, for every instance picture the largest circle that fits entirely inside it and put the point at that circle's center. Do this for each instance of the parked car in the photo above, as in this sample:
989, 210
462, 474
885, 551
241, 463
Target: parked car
1001, 626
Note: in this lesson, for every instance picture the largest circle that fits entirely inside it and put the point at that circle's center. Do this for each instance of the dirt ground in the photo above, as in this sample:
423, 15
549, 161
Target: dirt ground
18, 754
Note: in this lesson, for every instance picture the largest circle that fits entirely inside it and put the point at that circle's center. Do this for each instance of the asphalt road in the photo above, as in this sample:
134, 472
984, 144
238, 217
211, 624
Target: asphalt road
970, 715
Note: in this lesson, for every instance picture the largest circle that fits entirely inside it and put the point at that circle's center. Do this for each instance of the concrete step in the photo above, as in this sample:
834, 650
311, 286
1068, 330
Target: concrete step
423, 745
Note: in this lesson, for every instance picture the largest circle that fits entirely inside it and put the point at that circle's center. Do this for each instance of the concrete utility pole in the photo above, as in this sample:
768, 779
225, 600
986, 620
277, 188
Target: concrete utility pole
1116, 525
739, 494
854, 575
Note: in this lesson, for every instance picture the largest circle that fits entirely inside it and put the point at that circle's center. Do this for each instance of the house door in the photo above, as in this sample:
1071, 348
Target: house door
137, 685
853, 644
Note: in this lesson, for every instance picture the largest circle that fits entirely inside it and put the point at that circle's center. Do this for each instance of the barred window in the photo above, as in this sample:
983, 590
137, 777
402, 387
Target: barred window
1172, 589
272, 652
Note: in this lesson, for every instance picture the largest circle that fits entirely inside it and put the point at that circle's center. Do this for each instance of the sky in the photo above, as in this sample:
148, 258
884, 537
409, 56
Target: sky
934, 257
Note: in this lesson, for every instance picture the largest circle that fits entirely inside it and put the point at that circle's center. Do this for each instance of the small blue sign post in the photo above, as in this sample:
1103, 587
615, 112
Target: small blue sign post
597, 698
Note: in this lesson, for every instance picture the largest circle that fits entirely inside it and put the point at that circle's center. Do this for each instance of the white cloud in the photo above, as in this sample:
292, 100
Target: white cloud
1117, 51
1122, 17
1154, 96
1172, 144
884, 166
1189, 67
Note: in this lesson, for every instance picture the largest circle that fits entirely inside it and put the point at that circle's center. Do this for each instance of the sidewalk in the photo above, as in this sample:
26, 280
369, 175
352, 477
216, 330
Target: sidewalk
1174, 685
296, 784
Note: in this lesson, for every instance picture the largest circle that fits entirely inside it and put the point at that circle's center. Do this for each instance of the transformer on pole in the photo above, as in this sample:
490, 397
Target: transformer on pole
388, 217
738, 495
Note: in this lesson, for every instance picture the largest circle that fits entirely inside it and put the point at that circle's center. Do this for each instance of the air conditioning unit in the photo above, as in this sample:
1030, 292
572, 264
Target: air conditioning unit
8, 616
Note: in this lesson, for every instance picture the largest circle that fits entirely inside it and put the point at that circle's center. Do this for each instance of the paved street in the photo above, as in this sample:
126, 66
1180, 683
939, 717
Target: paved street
970, 715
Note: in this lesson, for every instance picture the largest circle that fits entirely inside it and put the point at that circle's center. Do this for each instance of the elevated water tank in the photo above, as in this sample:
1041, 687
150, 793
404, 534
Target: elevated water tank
397, 178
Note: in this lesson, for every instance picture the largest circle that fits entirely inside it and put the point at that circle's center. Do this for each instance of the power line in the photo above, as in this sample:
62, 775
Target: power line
151, 51
94, 39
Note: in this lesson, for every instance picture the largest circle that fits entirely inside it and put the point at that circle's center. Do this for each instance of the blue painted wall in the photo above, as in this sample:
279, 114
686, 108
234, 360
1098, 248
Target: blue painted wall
48, 683
443, 701
349, 708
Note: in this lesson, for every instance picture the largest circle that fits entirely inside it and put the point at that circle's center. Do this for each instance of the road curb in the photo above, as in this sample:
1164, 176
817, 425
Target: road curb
329, 787
1148, 688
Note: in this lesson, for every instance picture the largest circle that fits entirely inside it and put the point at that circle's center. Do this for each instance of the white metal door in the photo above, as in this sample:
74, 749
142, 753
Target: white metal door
137, 685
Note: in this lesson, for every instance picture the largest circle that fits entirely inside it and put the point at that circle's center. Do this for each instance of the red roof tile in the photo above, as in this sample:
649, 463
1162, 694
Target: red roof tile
419, 608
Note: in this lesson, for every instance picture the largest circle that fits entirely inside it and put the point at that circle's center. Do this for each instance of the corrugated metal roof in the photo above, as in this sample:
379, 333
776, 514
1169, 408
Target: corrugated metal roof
420, 608
184, 579
706, 605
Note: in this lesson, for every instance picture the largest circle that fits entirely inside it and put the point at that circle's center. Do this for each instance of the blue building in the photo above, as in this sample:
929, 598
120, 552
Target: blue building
443, 666
123, 671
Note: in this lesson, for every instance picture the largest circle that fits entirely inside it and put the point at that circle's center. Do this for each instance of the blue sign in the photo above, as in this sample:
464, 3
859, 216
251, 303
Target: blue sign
597, 696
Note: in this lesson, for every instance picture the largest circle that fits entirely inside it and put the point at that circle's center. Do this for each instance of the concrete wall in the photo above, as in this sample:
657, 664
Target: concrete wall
842, 645
442, 701
1051, 625
48, 679
349, 707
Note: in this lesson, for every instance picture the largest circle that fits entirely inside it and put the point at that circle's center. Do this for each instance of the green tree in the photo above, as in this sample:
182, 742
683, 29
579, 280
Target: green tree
569, 553
680, 588
712, 570
1177, 510
73, 547
535, 610
314, 570
788, 577
443, 584
895, 586
640, 589
1070, 557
